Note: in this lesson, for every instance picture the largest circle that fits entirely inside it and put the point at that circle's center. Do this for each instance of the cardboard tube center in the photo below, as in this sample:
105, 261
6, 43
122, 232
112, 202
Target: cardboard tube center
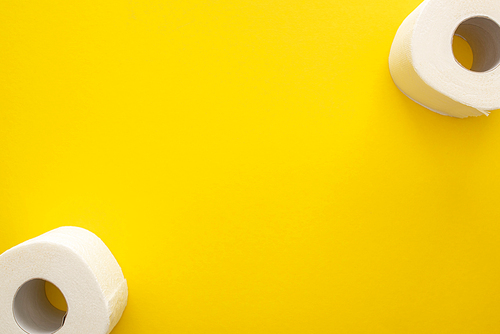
483, 36
33, 311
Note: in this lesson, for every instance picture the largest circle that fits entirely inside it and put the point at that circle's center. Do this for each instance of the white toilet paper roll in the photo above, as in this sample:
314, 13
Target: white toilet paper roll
80, 265
423, 65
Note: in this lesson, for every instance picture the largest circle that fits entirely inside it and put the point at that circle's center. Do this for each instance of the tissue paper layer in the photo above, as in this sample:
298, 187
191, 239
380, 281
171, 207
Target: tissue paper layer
80, 265
423, 65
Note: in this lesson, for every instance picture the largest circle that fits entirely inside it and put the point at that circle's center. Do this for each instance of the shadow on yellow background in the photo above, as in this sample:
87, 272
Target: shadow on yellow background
250, 164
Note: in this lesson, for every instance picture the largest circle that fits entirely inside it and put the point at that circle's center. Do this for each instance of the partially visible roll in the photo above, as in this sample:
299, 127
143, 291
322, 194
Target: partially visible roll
78, 263
423, 65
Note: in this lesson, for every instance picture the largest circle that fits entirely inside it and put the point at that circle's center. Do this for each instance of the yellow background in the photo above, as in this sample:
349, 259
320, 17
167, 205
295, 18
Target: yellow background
250, 164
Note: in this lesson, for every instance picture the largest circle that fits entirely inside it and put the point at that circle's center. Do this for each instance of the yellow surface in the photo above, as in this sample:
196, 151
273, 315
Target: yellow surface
250, 164
55, 296
463, 52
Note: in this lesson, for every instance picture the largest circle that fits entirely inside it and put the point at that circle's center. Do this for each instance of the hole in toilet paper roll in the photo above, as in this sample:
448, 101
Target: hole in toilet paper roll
33, 311
483, 36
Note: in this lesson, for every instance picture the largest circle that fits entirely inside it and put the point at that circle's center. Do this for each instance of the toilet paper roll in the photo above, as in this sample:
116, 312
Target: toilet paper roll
78, 263
423, 65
